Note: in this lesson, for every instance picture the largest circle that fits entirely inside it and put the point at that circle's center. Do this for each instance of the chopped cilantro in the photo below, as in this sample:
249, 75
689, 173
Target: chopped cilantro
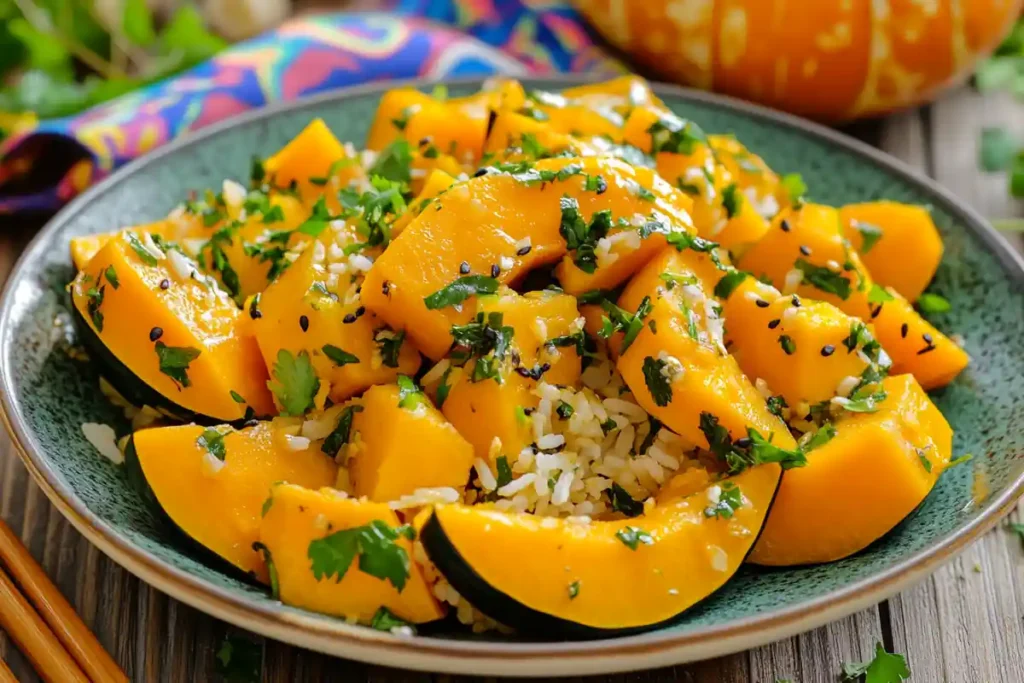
595, 183
504, 471
776, 404
657, 383
332, 171
144, 254
174, 361
922, 455
237, 397
931, 304
878, 294
461, 289
678, 136
817, 439
865, 402
869, 234
338, 355
787, 344
219, 259
885, 667
564, 410
212, 441
409, 394
619, 320
729, 501
795, 188
574, 590
394, 162
671, 280
339, 436
375, 544
746, 452
623, 502
443, 388
95, 300
729, 282
581, 237
732, 200
402, 120
824, 279
111, 276
384, 620
295, 382
632, 537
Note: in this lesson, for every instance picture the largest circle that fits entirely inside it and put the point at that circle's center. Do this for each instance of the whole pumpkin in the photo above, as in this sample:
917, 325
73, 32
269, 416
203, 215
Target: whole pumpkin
833, 60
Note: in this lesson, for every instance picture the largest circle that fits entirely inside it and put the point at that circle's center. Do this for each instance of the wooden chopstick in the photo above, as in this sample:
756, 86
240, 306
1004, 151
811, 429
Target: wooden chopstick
29, 631
6, 675
65, 623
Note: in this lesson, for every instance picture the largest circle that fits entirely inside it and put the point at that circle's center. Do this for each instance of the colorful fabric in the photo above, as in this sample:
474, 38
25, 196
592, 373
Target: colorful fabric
304, 56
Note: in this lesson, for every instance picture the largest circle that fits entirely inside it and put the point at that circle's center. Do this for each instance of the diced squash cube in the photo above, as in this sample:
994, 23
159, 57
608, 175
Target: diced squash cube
506, 138
437, 182
452, 128
396, 449
490, 415
173, 228
898, 243
300, 522
179, 467
675, 378
872, 474
172, 328
350, 348
308, 159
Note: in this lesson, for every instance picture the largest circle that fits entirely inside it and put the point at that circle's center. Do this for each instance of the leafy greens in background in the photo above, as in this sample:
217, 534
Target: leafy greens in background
1000, 150
59, 57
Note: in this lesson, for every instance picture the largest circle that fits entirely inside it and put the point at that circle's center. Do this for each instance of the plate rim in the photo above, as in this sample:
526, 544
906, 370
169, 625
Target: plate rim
490, 657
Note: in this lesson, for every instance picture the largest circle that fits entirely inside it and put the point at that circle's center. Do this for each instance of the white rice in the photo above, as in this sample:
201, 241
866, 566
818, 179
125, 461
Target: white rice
103, 439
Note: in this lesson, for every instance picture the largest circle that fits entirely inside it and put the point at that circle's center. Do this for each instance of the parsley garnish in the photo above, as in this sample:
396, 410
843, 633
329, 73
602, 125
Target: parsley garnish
339, 436
795, 187
95, 300
657, 383
390, 347
212, 441
932, 303
295, 382
443, 388
237, 397
885, 667
619, 320
787, 344
678, 136
384, 620
729, 282
144, 255
409, 395
746, 452
824, 279
394, 162
878, 294
623, 502
111, 276
632, 537
375, 546
338, 355
817, 439
574, 589
732, 200
174, 361
504, 475
461, 289
729, 501
581, 237
869, 233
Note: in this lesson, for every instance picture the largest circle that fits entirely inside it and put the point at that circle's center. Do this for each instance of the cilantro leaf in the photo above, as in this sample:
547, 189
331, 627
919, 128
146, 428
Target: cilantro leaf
144, 254
619, 320
933, 303
390, 346
825, 279
623, 502
504, 471
748, 451
111, 276
443, 388
869, 233
728, 284
339, 436
295, 383
878, 294
885, 667
729, 501
817, 439
212, 441
95, 300
574, 589
338, 355
795, 187
581, 237
384, 620
461, 289
732, 200
657, 383
632, 537
675, 135
375, 546
394, 162
409, 395
174, 361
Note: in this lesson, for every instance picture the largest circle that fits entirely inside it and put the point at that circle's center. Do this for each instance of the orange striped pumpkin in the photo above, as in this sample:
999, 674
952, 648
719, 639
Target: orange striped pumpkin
833, 60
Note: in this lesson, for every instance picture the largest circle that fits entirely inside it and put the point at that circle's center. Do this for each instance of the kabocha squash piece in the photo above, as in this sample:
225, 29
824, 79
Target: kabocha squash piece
166, 335
596, 117
407, 113
345, 557
487, 404
805, 253
621, 93
308, 318
515, 136
687, 382
400, 442
178, 226
313, 160
516, 219
803, 350
212, 482
759, 183
564, 578
872, 473
437, 181
899, 243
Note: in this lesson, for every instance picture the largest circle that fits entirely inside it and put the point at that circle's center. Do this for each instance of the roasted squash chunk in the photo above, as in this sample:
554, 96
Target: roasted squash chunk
400, 442
344, 557
454, 128
563, 577
170, 336
899, 243
231, 472
421, 281
313, 161
178, 226
805, 253
861, 483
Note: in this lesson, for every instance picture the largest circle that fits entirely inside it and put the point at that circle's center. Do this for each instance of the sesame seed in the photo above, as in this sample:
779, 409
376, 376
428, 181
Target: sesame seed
424, 141
805, 250
464, 268
784, 225
796, 301
156, 333
303, 322
930, 347
874, 313
773, 324
761, 303
904, 329
165, 283
360, 311
827, 350
524, 251
480, 172
385, 288
495, 270
348, 319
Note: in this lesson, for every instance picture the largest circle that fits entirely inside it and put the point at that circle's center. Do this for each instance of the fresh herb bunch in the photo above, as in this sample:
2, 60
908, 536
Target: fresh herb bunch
59, 57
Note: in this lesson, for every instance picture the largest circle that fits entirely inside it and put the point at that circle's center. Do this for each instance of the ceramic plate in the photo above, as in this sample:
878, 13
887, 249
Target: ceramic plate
47, 395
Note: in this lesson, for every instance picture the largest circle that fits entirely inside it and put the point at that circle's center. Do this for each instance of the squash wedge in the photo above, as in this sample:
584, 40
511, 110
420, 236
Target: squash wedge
873, 473
231, 472
566, 578
168, 338
302, 526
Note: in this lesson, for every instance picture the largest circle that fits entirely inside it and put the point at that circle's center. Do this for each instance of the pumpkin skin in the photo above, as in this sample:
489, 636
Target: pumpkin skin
518, 568
832, 61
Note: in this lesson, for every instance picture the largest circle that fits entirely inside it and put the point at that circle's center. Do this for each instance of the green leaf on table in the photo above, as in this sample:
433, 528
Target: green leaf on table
884, 668
137, 23
41, 51
186, 32
997, 149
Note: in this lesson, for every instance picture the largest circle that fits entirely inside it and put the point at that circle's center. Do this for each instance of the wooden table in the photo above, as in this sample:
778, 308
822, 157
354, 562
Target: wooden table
962, 624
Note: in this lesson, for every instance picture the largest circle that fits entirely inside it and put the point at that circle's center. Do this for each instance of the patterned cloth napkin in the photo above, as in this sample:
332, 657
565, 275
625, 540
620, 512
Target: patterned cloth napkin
47, 163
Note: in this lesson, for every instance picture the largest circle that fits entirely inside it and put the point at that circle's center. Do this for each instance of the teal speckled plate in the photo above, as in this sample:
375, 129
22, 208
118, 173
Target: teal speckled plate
46, 396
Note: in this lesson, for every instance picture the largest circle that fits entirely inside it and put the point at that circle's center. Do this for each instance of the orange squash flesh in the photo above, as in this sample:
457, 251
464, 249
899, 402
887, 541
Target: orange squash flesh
297, 517
560, 577
862, 483
395, 450
407, 113
177, 470
186, 314
906, 254
311, 154
172, 228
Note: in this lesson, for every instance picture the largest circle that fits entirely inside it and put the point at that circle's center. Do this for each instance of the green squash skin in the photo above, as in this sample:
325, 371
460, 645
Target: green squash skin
137, 479
510, 612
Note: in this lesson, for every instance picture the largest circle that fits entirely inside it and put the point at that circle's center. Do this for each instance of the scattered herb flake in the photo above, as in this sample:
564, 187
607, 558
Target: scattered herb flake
824, 279
657, 383
729, 282
869, 233
623, 502
339, 436
174, 361
932, 304
384, 620
375, 545
338, 355
212, 441
409, 394
632, 537
461, 289
295, 382
729, 501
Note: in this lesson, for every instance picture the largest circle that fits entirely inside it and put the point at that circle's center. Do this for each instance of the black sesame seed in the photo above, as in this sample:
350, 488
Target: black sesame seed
464, 268
156, 333
250, 423
165, 284
930, 347
480, 172
927, 338
385, 288
805, 250
774, 323
743, 442
348, 319
761, 303
524, 251
495, 271
303, 322
523, 372
360, 311
784, 225
827, 350
874, 313
796, 301
424, 141
903, 330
